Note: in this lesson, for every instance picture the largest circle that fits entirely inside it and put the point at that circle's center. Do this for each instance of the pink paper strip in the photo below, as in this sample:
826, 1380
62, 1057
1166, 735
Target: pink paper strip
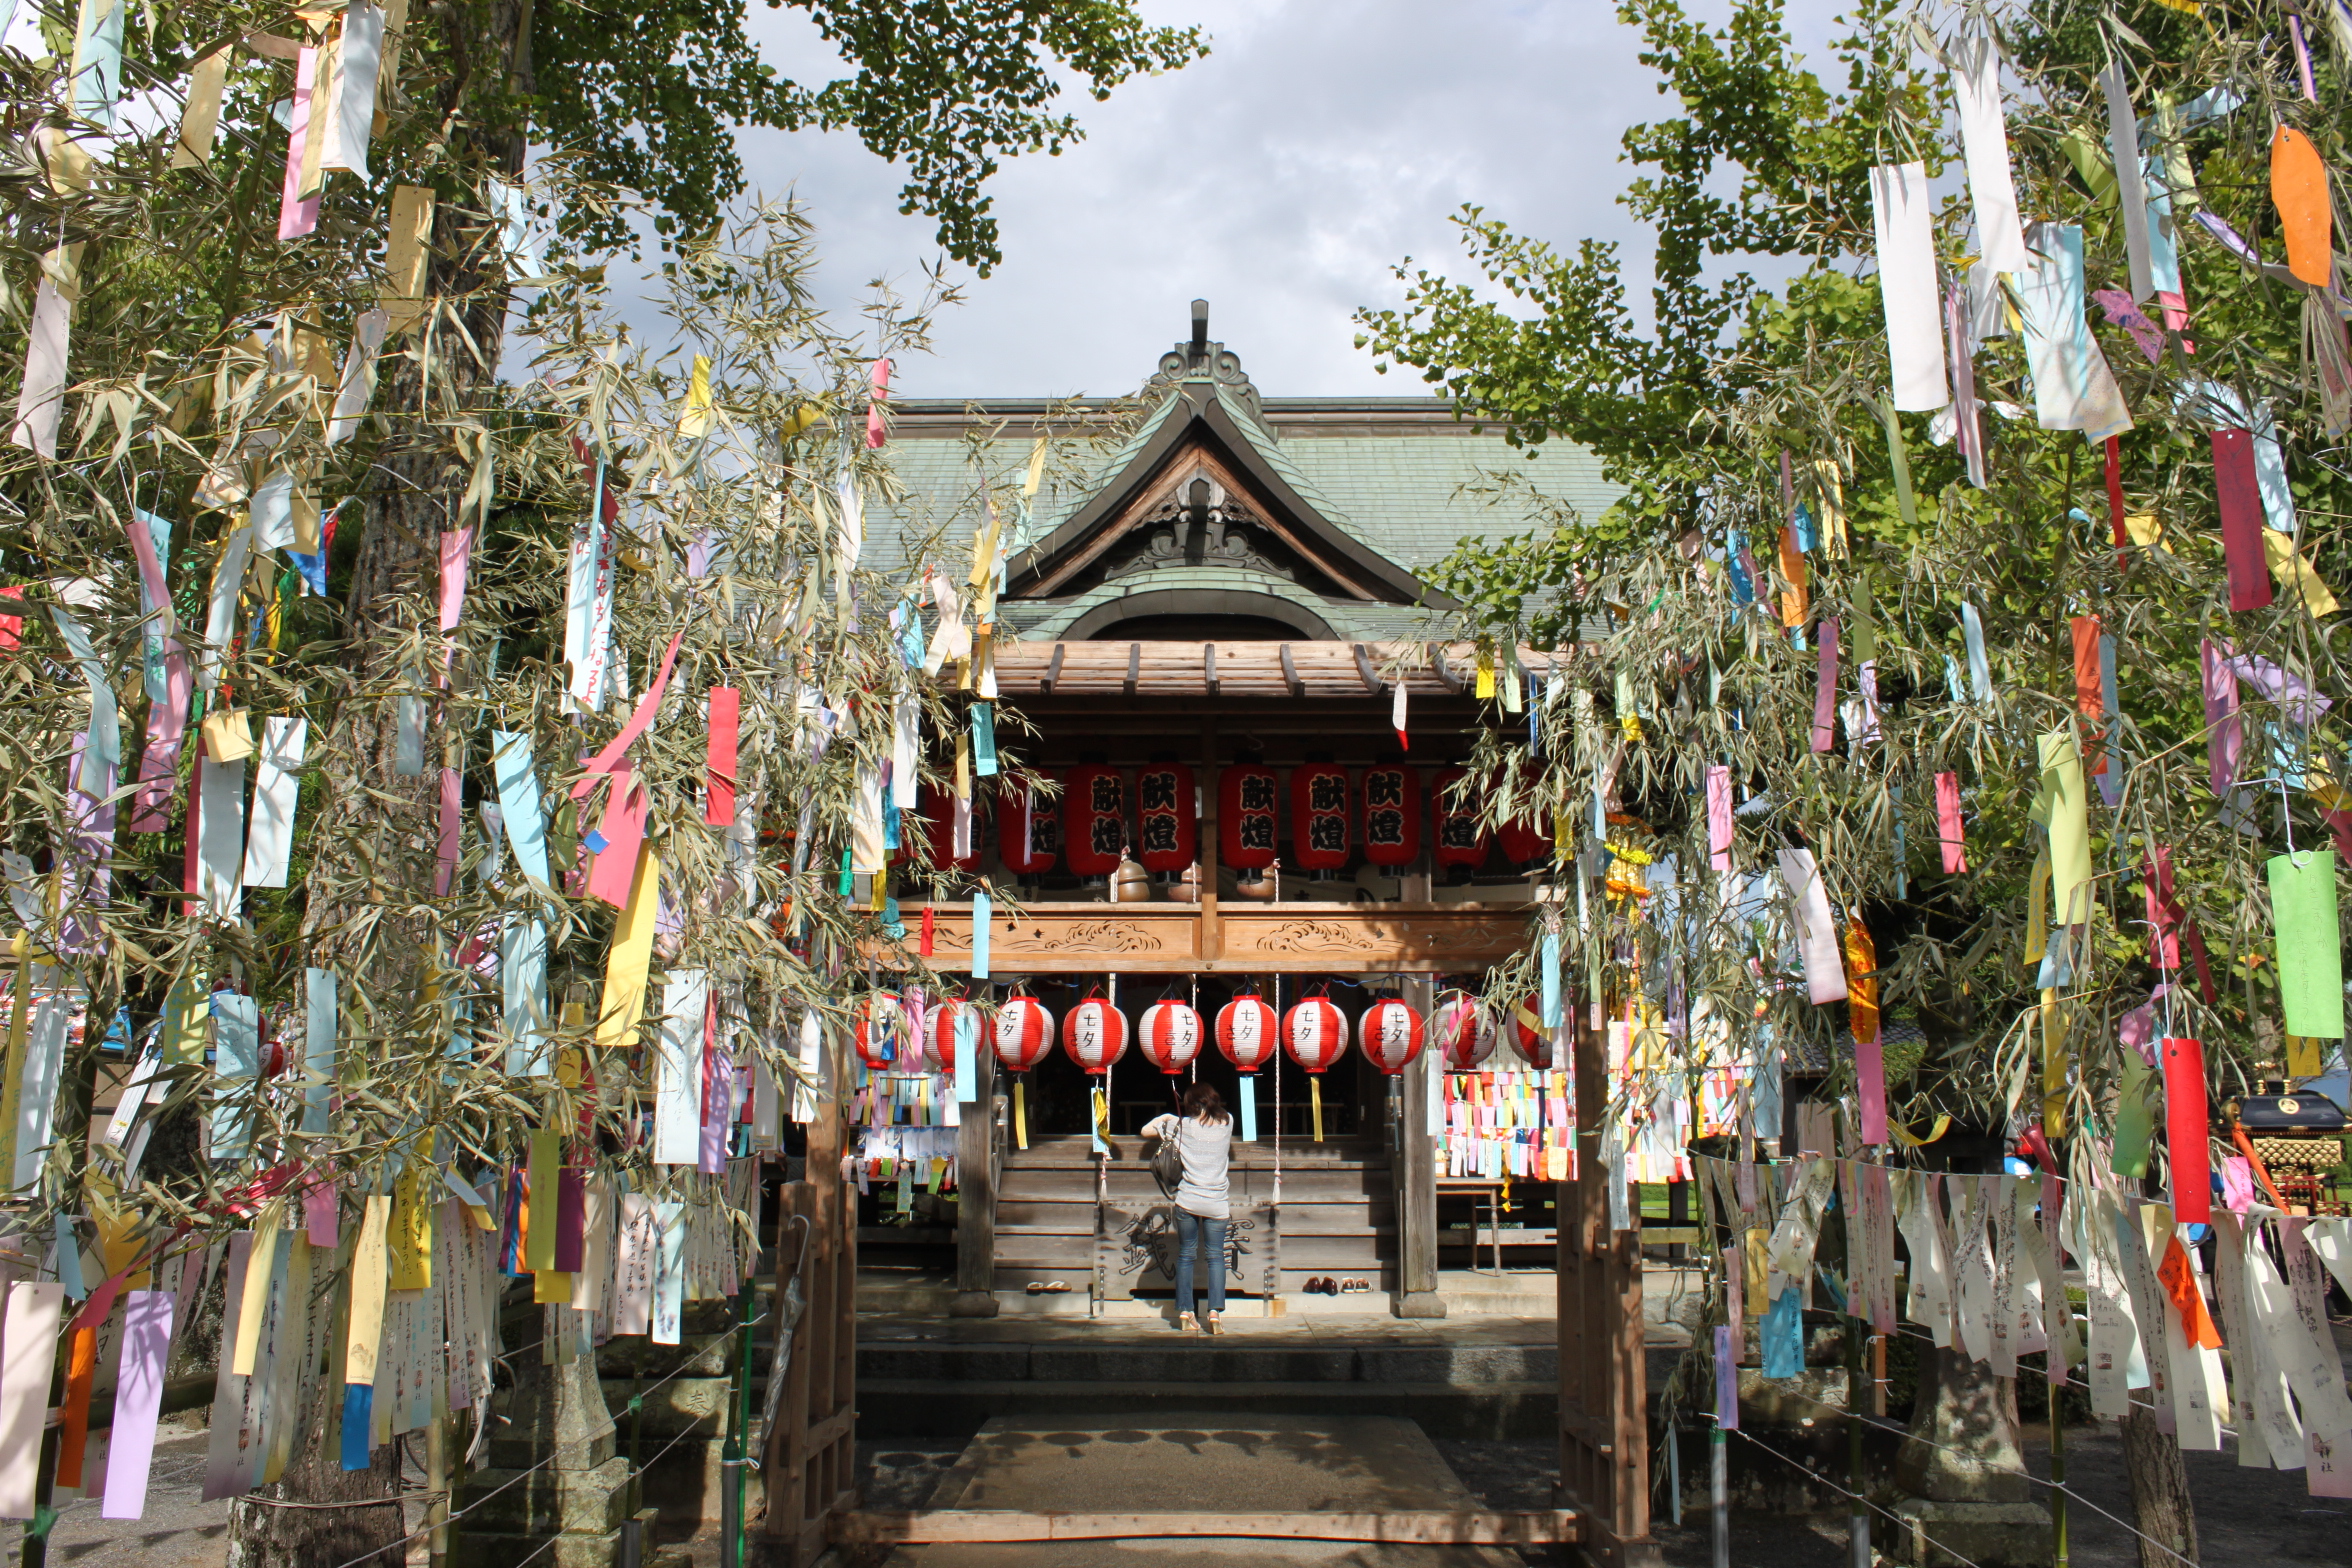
167, 727
726, 720
1719, 817
138, 1403
457, 551
2225, 740
1825, 689
1726, 1377
1870, 1082
297, 217
1949, 830
608, 760
623, 830
880, 376
452, 814
1735, 1294
320, 1214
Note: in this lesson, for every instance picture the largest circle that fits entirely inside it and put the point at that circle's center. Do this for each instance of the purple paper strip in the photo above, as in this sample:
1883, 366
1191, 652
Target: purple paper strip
2224, 735
138, 1402
718, 1080
319, 1213
571, 1220
1726, 1381
1735, 1291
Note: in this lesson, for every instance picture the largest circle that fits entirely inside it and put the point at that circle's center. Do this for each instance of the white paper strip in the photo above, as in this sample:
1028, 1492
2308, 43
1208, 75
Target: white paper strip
1903, 215
28, 1355
277, 784
2073, 387
1815, 927
359, 375
41, 399
220, 848
351, 108
1992, 189
220, 617
2123, 142
669, 1278
273, 513
851, 503
905, 739
677, 1102
36, 1104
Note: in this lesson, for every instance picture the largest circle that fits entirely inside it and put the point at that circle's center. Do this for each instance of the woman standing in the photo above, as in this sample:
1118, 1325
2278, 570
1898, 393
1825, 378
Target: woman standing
1204, 1139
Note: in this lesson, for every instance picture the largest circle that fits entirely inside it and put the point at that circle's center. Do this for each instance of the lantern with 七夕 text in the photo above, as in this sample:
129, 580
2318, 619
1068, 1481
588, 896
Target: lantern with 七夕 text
881, 1032
1167, 832
1170, 1035
1319, 815
1460, 1032
1094, 818
1315, 1034
1246, 830
1024, 1033
1094, 1033
1389, 1034
1247, 1032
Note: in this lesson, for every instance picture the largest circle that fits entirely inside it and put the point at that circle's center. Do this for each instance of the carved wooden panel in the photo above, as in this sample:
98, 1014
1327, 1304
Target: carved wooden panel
1297, 938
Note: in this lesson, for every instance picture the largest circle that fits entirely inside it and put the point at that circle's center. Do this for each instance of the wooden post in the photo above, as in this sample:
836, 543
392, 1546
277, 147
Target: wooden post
1604, 1391
1211, 943
1416, 1183
976, 1196
811, 1469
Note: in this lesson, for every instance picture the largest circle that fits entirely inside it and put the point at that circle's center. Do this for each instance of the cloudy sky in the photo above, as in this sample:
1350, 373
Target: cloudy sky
1282, 178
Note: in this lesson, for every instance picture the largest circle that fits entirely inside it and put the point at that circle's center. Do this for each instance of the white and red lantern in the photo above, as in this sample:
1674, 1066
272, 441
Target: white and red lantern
939, 819
1389, 1034
1094, 818
1246, 830
1392, 815
1248, 1032
1094, 1033
881, 1033
1528, 1033
1170, 1034
1460, 840
1319, 815
939, 1032
1462, 1036
1167, 836
1028, 833
1315, 1034
1024, 1033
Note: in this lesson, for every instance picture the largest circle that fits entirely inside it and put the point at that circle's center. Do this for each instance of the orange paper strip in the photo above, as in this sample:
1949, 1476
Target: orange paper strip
2298, 185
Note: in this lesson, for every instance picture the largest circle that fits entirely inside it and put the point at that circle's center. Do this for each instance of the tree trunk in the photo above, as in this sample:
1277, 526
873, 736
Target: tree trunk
2161, 1503
261, 1535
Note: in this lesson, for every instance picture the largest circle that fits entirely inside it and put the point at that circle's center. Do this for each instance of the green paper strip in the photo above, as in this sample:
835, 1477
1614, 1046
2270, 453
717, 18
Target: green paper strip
2070, 827
1899, 461
2310, 961
2135, 1122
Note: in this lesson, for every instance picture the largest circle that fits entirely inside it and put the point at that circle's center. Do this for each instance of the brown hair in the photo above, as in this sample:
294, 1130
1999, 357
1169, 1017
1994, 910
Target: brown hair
1203, 1100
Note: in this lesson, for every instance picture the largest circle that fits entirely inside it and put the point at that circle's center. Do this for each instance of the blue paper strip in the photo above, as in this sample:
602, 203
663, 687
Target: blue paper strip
1249, 1107
319, 1031
69, 1259
522, 980
359, 1408
1726, 1380
1980, 670
1783, 1335
982, 915
984, 740
967, 1052
236, 1060
1551, 980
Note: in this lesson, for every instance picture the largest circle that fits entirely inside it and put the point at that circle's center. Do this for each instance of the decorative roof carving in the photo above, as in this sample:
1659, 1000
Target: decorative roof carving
1197, 359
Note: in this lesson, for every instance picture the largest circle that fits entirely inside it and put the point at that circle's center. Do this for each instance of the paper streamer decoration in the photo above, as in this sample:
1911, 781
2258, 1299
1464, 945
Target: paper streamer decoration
40, 398
28, 1352
407, 256
2310, 960
2073, 388
519, 803
983, 915
1903, 216
626, 966
221, 837
523, 1009
364, 1331
1719, 825
677, 1095
2186, 1130
1862, 1018
2298, 185
2237, 495
1980, 669
102, 757
269, 842
138, 1402
320, 1031
1984, 136
2225, 738
200, 121
351, 102
2123, 141
1825, 689
726, 717
2289, 567
298, 215
1816, 927
2070, 826
220, 620
97, 61
1949, 831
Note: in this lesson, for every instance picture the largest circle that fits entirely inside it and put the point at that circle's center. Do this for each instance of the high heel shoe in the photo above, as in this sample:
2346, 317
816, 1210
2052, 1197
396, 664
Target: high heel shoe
1216, 1323
1186, 1324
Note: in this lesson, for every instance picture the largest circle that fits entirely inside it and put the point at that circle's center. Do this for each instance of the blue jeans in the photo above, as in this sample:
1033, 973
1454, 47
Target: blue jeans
1189, 1229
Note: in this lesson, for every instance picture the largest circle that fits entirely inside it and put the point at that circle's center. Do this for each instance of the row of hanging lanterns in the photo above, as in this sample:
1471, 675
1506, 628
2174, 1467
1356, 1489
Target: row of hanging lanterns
1330, 818
1314, 1033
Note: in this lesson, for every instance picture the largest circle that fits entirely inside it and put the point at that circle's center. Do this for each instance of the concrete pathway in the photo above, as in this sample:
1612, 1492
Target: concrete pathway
1203, 1462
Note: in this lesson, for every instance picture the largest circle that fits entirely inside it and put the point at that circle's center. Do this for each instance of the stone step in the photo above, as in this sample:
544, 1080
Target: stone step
1172, 1358
907, 1408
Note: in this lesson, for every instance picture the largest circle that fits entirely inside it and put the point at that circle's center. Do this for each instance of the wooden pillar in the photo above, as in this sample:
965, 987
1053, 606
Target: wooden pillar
1415, 1167
811, 1470
1211, 942
976, 1196
1604, 1390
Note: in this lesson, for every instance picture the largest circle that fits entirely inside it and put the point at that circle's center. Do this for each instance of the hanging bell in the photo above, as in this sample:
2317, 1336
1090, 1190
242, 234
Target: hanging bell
1130, 884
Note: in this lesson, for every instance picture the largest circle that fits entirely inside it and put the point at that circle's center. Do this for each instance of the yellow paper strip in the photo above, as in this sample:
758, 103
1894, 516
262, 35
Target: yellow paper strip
2054, 1063
369, 1269
631, 958
694, 419
322, 97
409, 1235
257, 1284
2292, 569
546, 1169
550, 1289
2070, 826
228, 735
1833, 507
200, 123
407, 249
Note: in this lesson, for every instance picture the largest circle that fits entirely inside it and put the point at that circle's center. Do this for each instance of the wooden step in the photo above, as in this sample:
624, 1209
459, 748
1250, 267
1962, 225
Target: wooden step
1337, 1218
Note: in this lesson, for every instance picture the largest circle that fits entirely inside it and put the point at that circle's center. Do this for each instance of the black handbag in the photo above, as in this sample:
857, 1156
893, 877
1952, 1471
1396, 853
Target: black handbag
2308, 1111
1167, 1165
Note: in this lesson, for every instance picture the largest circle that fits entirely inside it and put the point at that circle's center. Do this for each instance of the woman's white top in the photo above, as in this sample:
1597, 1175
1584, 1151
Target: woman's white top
1207, 1149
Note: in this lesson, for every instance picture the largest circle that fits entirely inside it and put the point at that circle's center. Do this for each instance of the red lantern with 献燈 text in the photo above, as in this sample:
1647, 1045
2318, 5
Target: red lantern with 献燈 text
1392, 815
881, 1032
1024, 1033
1529, 1034
939, 817
1315, 1034
1461, 1033
1028, 831
1247, 1032
1246, 829
1095, 1034
1389, 1034
1170, 1035
1094, 818
1167, 832
1459, 838
1319, 815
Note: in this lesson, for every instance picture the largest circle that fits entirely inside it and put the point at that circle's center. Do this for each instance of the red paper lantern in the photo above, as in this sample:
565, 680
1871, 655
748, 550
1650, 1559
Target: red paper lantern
1315, 1033
1530, 1036
1024, 1033
1167, 820
1455, 828
939, 822
1094, 818
1463, 1038
1171, 1035
1247, 1032
881, 1032
1319, 815
1525, 838
1095, 1034
1028, 833
1245, 817
1392, 815
1390, 1035
939, 1031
